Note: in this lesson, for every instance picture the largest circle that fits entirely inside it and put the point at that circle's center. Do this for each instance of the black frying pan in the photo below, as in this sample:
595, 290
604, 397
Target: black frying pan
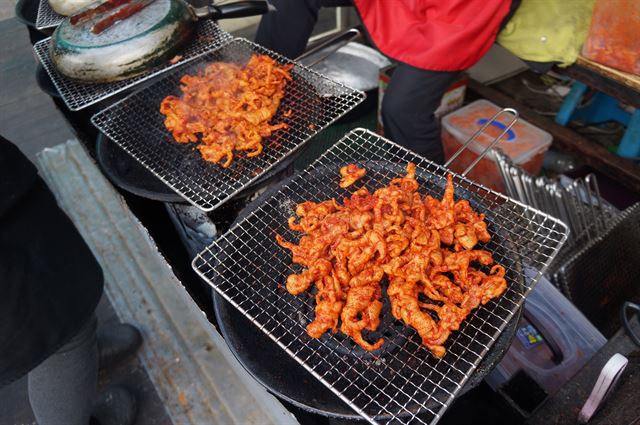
283, 376
127, 173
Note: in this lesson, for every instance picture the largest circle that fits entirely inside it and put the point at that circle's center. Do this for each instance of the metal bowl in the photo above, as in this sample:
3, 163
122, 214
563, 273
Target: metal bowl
354, 65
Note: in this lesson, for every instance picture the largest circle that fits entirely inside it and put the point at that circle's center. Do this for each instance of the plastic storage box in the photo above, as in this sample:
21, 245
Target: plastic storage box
525, 144
554, 340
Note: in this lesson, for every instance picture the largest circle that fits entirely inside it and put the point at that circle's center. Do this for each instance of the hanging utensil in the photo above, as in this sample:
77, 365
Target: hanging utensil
594, 189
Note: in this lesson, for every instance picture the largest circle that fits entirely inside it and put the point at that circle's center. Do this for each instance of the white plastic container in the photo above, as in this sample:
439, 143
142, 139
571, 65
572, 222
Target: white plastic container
525, 143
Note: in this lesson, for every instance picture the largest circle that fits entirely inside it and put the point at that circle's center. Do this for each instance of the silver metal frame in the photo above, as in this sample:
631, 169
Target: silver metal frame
78, 95
579, 205
248, 268
47, 17
136, 125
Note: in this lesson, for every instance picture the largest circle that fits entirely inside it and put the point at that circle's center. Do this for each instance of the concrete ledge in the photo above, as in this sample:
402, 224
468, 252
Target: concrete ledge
195, 374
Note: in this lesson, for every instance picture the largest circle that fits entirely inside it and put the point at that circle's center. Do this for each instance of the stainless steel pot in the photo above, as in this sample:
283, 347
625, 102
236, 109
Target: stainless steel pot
149, 38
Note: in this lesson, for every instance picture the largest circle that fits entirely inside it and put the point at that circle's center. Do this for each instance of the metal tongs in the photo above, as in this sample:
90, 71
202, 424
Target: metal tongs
479, 132
605, 384
109, 12
105, 19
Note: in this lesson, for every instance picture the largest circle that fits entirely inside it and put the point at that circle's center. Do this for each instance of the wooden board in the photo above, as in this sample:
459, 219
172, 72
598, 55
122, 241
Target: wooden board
630, 80
626, 89
196, 376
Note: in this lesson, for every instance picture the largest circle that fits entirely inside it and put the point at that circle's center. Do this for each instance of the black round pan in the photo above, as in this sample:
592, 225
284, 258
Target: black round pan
127, 173
283, 376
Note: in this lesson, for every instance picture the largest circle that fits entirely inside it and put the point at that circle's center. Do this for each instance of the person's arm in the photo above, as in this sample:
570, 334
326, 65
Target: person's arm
17, 175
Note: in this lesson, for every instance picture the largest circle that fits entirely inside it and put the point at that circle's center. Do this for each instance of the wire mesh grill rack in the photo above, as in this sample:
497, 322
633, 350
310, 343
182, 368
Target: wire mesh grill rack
592, 278
136, 124
47, 17
77, 95
405, 383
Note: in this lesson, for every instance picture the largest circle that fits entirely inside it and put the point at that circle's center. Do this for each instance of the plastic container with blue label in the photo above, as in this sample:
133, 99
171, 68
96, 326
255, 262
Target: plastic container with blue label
525, 143
554, 340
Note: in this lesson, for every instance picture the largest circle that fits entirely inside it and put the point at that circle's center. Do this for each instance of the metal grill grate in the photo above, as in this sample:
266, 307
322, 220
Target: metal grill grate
47, 17
136, 124
592, 278
77, 95
405, 384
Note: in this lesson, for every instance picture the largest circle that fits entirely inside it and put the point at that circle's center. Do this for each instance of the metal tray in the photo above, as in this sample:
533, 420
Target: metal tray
47, 17
77, 95
249, 269
136, 124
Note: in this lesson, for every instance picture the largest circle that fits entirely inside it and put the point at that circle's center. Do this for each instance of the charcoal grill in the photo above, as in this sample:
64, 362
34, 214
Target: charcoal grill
47, 17
248, 269
77, 95
137, 126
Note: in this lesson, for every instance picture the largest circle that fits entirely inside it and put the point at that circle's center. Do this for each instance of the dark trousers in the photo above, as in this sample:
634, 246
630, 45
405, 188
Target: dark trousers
61, 389
411, 98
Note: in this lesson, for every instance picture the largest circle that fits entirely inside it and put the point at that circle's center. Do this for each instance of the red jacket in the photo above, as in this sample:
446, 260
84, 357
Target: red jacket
439, 35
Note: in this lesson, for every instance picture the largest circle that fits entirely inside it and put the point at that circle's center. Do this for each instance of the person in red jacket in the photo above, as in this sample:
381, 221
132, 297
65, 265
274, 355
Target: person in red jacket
432, 41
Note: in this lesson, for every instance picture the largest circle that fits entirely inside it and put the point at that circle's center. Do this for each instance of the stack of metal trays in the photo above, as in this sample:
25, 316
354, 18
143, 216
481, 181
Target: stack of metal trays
404, 383
606, 272
579, 204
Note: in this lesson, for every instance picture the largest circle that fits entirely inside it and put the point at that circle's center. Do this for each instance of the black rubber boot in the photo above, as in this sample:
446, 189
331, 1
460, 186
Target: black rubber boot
117, 342
114, 406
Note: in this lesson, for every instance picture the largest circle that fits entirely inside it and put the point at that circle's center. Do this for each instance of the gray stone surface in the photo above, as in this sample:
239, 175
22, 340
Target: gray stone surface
196, 376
